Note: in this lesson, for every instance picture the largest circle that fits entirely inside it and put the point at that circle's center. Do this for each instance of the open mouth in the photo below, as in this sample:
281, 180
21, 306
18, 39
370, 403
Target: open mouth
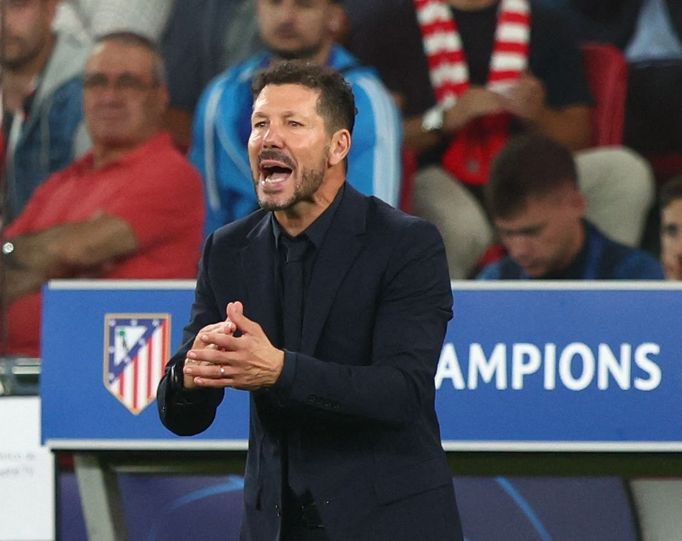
273, 172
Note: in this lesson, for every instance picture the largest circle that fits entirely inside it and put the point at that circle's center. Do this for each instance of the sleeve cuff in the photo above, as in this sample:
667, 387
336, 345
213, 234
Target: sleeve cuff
182, 395
286, 378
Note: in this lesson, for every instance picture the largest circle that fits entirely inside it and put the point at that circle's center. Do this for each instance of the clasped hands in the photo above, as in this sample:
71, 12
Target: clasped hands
233, 353
524, 99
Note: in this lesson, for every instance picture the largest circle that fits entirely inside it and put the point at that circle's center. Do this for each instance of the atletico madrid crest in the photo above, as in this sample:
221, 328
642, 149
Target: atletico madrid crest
136, 348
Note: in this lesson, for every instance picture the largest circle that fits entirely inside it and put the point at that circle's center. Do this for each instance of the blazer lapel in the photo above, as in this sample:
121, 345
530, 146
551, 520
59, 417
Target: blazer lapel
258, 267
342, 244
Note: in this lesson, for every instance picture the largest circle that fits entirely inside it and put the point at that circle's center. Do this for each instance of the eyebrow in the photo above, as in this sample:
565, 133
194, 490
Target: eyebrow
528, 230
285, 114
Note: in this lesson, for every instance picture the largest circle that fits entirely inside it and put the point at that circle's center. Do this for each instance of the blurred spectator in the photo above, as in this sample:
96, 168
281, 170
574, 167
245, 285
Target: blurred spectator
671, 228
493, 68
203, 38
650, 34
538, 211
624, 23
130, 208
41, 98
291, 30
99, 17
655, 499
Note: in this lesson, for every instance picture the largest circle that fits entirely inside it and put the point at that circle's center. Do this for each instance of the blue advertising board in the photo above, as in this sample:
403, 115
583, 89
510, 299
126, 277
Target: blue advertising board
80, 408
583, 366
524, 366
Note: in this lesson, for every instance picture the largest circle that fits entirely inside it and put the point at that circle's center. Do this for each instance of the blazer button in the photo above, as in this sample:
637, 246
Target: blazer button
277, 511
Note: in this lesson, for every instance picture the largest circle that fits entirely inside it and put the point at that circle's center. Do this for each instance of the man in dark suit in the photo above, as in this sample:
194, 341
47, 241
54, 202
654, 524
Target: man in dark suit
344, 441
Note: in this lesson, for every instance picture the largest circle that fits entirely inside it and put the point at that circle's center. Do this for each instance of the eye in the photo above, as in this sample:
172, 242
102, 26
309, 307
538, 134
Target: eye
258, 124
670, 230
95, 81
128, 81
17, 4
294, 123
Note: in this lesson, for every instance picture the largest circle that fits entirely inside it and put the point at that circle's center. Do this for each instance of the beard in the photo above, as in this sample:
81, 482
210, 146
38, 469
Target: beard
17, 52
302, 53
304, 190
311, 180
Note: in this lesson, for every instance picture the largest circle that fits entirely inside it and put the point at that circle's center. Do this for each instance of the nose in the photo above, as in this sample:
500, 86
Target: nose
272, 137
287, 12
519, 247
107, 94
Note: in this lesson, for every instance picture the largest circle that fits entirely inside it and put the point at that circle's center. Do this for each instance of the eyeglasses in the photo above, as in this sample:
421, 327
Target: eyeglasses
16, 4
126, 83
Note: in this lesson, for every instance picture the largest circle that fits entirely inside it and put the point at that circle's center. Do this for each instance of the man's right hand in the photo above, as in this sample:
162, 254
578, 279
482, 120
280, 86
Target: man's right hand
226, 327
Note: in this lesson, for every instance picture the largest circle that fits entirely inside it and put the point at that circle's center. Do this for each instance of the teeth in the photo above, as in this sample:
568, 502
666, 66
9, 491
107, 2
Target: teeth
274, 177
270, 180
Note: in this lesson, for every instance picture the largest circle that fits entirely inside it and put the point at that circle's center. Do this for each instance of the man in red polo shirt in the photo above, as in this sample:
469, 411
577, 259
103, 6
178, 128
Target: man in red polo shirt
131, 208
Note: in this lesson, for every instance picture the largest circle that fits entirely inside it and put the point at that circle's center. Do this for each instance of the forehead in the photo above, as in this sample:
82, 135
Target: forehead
279, 99
535, 210
673, 211
34, 5
114, 57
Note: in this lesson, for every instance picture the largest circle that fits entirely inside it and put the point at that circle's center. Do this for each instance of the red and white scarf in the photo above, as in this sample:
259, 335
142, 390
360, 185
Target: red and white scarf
474, 146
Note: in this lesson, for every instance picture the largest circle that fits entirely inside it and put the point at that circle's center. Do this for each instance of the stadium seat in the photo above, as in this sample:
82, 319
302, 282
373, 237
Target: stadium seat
409, 163
606, 71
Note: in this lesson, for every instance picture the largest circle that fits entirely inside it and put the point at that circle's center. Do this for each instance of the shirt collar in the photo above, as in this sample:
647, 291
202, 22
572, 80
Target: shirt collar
150, 146
317, 230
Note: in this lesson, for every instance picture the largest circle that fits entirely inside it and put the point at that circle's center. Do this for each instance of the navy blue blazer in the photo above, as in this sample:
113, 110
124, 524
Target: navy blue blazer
359, 400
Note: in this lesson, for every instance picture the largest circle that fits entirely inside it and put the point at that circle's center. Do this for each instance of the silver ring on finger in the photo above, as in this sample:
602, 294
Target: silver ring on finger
222, 371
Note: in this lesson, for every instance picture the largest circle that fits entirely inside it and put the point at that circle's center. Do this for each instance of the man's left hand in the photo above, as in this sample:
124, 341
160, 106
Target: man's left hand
525, 98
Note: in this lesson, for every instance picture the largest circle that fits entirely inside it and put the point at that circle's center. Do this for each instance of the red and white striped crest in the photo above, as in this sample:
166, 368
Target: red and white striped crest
136, 348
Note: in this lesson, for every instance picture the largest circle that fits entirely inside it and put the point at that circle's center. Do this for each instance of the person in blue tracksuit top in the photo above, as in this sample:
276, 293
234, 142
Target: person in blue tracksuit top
222, 121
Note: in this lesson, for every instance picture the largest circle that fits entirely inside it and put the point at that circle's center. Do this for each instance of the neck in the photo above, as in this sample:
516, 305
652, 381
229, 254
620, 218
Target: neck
471, 5
105, 154
318, 56
577, 244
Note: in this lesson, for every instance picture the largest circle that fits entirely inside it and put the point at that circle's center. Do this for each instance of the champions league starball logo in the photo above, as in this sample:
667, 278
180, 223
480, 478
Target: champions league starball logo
136, 348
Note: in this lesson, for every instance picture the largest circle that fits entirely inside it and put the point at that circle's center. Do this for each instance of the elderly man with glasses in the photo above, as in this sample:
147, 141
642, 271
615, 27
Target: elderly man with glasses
130, 208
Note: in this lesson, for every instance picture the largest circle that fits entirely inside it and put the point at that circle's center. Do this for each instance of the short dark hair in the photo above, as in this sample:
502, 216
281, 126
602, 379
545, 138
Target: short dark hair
530, 165
336, 103
138, 40
670, 191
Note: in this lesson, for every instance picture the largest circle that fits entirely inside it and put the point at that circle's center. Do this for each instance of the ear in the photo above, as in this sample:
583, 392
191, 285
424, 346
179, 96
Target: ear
578, 203
339, 147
